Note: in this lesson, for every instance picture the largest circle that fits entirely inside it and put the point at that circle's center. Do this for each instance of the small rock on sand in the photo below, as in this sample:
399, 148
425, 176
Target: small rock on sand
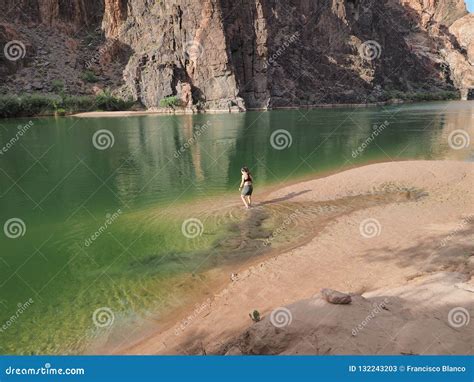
334, 297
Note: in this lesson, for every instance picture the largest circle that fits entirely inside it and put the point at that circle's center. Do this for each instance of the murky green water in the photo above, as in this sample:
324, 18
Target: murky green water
99, 215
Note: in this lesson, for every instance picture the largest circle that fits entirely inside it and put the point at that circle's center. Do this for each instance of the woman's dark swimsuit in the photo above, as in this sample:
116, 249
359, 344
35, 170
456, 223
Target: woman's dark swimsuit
248, 188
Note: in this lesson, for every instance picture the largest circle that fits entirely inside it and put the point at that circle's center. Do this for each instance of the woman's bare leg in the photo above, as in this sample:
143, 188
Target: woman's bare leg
245, 202
249, 200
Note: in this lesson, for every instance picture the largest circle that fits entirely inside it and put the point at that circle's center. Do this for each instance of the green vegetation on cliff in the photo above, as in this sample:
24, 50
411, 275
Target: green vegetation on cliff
171, 102
40, 104
422, 96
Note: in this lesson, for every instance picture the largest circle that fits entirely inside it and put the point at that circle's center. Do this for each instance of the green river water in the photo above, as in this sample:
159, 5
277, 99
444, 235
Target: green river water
97, 238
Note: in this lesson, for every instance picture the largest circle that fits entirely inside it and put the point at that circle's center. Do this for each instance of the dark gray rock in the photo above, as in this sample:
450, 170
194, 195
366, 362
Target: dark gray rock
334, 297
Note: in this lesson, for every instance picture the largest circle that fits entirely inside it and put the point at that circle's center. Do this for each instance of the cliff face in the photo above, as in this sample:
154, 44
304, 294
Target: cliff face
241, 54
67, 15
436, 11
462, 61
179, 48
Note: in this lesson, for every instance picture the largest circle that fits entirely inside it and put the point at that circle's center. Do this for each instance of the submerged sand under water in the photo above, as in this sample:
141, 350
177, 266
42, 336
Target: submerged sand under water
270, 227
281, 223
412, 206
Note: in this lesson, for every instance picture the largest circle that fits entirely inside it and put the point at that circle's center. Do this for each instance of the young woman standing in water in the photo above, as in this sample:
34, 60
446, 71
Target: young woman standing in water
246, 187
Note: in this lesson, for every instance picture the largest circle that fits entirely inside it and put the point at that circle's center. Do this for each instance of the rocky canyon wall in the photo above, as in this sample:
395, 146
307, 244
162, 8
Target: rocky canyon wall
221, 54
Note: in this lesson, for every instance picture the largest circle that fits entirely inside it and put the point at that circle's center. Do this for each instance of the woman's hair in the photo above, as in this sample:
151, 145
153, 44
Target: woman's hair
245, 169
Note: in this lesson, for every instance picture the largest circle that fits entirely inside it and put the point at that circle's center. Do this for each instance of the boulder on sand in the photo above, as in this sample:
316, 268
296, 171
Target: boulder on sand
334, 297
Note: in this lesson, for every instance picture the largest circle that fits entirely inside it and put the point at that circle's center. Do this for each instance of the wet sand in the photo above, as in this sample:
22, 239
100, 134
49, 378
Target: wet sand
425, 229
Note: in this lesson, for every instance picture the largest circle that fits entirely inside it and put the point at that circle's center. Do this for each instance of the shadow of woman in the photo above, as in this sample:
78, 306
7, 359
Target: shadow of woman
291, 195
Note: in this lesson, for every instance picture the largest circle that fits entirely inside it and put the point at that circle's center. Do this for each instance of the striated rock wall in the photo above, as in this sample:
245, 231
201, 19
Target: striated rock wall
227, 54
444, 12
463, 30
176, 43
67, 15
449, 29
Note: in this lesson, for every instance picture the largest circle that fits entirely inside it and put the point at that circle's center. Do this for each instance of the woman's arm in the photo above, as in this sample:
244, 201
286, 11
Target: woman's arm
242, 182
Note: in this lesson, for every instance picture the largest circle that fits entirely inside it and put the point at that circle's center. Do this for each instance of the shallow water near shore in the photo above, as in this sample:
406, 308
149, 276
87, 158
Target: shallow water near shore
104, 243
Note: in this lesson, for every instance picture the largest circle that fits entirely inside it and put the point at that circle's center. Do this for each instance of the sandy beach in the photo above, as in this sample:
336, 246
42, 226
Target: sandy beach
180, 111
413, 256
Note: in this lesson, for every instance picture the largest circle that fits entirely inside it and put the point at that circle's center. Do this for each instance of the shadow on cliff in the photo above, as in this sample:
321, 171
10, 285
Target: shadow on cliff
303, 53
244, 32
106, 57
412, 71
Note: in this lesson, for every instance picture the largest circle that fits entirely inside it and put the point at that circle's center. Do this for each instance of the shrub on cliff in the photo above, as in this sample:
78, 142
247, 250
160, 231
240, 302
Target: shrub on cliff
422, 95
10, 106
171, 102
106, 101
89, 76
77, 103
26, 105
57, 86
39, 104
